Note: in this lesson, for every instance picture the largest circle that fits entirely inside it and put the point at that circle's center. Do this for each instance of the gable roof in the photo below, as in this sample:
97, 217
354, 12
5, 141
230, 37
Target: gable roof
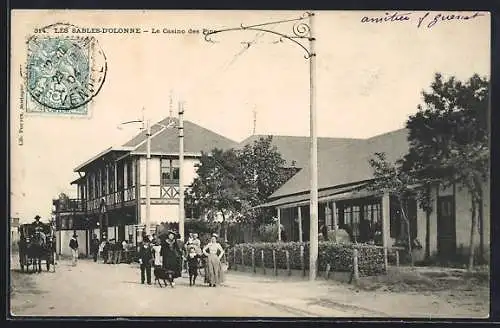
344, 165
196, 139
297, 148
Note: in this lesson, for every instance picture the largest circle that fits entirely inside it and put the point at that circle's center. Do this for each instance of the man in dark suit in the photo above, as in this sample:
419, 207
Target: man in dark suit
145, 260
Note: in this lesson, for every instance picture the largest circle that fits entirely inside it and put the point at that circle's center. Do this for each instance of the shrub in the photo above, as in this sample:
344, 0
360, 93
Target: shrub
339, 256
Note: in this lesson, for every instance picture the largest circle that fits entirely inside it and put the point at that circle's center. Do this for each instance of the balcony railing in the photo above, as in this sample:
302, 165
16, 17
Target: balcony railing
69, 205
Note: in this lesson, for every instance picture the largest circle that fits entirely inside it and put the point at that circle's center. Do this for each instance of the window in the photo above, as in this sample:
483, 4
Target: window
169, 169
397, 223
91, 186
111, 175
130, 174
119, 174
352, 218
104, 180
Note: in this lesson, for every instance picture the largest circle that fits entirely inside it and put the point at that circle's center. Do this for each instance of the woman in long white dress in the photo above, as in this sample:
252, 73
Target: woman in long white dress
213, 270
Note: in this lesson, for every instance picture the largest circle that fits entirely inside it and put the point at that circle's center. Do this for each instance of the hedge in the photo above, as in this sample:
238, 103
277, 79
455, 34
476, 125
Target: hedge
339, 256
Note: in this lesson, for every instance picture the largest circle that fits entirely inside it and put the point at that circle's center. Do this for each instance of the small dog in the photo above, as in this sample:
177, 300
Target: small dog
162, 274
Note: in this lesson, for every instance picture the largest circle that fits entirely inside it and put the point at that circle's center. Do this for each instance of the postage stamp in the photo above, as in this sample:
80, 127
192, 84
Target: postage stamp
63, 73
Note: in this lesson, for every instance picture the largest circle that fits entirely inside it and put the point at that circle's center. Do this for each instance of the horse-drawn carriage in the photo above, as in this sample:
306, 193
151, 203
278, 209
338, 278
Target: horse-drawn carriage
36, 244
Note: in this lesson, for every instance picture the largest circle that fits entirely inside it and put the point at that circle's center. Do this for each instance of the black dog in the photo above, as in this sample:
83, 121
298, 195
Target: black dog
162, 274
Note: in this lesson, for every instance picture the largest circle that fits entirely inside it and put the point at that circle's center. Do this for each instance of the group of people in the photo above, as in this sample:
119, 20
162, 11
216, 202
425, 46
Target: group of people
111, 252
167, 257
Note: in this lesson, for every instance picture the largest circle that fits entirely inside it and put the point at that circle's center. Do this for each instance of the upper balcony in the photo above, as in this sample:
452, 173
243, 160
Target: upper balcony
69, 205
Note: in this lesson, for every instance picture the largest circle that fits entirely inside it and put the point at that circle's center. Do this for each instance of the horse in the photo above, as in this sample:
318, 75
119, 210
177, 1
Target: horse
35, 249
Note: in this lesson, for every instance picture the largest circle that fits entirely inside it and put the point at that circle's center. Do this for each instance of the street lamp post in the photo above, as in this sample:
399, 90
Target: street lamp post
148, 183
181, 170
148, 160
301, 31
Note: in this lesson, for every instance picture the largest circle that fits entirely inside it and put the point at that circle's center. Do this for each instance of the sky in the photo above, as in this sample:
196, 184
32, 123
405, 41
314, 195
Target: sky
368, 77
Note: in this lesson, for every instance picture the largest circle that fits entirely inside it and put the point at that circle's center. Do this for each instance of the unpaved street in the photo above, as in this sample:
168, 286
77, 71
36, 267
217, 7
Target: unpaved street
96, 289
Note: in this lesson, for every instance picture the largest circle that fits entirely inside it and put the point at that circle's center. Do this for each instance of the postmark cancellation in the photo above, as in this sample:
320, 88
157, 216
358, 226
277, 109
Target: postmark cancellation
63, 73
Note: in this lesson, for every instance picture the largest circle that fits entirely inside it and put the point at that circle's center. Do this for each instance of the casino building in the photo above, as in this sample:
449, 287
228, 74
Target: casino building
111, 187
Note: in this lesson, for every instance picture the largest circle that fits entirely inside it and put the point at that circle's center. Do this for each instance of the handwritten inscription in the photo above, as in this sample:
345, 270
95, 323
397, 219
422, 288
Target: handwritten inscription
423, 20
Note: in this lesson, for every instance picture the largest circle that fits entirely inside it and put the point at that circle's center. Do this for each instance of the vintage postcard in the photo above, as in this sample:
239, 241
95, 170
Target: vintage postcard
249, 163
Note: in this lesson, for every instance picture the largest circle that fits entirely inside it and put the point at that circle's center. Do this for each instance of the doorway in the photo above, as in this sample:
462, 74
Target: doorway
446, 228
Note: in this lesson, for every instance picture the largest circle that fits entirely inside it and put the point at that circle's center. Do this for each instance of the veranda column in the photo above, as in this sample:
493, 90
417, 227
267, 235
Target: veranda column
299, 209
279, 224
335, 217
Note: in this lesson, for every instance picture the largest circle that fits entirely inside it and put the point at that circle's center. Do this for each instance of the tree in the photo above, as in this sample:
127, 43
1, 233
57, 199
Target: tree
230, 184
217, 190
393, 179
449, 139
264, 171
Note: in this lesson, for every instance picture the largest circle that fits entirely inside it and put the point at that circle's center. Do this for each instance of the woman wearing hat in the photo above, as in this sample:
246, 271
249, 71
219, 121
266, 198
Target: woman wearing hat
171, 254
213, 270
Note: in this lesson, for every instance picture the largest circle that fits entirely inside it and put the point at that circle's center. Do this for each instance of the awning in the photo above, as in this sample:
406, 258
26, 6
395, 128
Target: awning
351, 191
78, 180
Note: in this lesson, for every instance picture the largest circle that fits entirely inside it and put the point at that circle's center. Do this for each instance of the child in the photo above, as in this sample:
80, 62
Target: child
193, 262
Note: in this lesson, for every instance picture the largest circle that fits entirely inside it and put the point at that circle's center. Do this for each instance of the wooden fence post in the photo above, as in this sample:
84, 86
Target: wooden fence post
234, 259
274, 263
288, 269
263, 263
397, 257
242, 256
302, 261
253, 261
355, 265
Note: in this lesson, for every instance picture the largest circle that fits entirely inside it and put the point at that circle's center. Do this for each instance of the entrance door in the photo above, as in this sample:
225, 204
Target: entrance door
121, 233
446, 232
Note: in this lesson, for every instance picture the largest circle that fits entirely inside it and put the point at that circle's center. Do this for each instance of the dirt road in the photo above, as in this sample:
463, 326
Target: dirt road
96, 289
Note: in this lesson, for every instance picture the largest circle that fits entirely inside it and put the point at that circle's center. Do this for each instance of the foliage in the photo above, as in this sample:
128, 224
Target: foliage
393, 179
231, 183
339, 256
449, 138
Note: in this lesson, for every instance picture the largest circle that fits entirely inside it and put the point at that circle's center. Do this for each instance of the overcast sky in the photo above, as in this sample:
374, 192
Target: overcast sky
369, 79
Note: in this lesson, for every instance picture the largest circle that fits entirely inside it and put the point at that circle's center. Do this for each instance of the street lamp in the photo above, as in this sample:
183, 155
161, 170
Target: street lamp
300, 31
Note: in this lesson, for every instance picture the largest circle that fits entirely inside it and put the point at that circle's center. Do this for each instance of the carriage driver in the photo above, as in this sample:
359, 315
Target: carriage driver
37, 224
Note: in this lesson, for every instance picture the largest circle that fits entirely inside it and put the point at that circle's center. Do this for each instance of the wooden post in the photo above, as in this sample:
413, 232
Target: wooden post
397, 258
302, 261
234, 258
274, 263
355, 265
263, 263
386, 230
242, 256
299, 209
253, 261
288, 268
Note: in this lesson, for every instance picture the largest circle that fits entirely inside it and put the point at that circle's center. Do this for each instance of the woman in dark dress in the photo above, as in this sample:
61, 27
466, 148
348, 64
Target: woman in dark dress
171, 253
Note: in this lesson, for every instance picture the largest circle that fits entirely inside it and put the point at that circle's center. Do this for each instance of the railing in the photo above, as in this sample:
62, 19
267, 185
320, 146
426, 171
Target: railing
70, 205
